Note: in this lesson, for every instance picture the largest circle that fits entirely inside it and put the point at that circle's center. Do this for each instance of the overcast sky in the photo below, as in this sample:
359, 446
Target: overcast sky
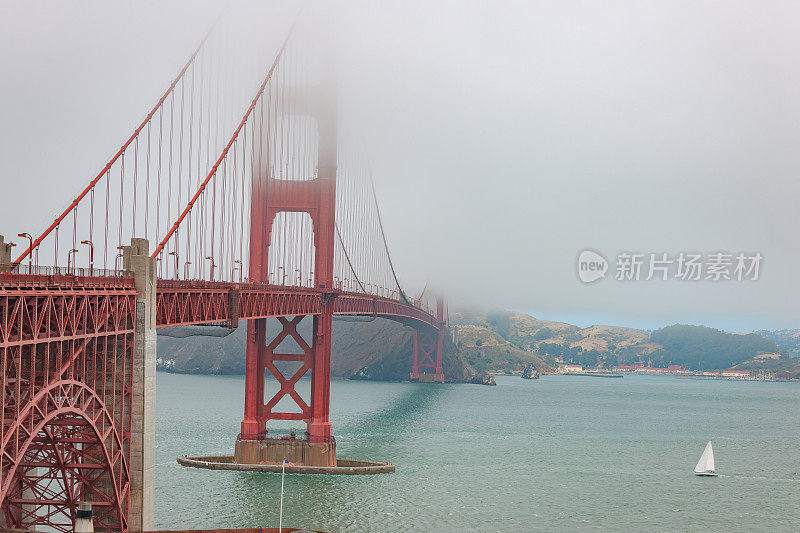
505, 137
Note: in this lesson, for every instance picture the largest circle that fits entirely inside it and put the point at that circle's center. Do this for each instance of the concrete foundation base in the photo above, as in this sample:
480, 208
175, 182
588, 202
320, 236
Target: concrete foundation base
274, 451
423, 377
345, 466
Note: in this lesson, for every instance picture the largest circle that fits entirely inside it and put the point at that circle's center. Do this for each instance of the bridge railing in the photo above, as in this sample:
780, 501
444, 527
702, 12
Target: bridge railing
37, 270
88, 277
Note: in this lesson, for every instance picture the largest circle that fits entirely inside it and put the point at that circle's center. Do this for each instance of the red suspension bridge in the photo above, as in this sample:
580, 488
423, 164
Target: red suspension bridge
270, 215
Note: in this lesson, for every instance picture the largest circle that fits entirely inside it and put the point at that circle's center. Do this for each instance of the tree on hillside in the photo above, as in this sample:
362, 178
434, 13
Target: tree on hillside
550, 348
587, 358
702, 348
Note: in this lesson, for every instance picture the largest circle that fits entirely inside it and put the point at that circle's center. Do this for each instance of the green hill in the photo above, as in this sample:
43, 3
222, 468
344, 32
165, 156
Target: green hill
702, 348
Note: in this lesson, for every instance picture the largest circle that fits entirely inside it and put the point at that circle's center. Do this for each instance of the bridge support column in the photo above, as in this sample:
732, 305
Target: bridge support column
252, 425
319, 429
256, 444
427, 356
428, 350
315, 195
136, 258
415, 355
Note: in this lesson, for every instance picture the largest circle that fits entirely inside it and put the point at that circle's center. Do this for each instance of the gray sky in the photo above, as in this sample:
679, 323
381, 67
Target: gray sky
505, 137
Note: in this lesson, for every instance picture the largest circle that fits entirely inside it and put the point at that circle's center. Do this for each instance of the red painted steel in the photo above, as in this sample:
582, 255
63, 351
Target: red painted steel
67, 337
181, 303
317, 197
429, 347
67, 368
67, 364
425, 345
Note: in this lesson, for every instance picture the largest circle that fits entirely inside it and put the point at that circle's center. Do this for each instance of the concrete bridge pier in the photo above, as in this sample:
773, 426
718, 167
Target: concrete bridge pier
136, 258
5, 255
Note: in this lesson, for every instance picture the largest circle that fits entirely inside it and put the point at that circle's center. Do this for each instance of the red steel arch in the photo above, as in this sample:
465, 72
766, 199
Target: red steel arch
71, 441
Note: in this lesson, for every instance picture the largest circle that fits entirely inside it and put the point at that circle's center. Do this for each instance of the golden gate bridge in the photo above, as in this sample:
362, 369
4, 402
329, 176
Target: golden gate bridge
194, 220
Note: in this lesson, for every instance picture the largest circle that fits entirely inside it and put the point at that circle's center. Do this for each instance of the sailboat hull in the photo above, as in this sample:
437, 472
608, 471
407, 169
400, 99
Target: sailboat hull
706, 474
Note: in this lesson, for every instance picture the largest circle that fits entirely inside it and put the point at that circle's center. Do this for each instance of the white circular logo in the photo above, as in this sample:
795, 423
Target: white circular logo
591, 266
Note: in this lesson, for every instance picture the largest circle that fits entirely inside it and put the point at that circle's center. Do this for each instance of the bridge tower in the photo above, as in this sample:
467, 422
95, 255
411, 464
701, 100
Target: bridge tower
428, 349
317, 198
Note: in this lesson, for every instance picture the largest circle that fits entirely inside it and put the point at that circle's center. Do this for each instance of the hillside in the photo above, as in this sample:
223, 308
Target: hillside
788, 340
777, 365
501, 340
497, 341
375, 349
524, 337
702, 348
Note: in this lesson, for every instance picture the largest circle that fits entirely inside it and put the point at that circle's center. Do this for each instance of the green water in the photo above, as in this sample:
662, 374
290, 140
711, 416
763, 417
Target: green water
560, 453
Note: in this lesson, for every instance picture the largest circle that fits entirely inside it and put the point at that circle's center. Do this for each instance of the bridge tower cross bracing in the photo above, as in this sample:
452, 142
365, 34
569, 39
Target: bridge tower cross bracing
428, 349
317, 198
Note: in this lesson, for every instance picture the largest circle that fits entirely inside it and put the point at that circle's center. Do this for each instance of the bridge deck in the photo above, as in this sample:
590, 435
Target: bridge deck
180, 302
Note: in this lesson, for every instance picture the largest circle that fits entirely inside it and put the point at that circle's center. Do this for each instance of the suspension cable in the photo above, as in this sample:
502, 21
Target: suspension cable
347, 256
224, 153
403, 296
119, 153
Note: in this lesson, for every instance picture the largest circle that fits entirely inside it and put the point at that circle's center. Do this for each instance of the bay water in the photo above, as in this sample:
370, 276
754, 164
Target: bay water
562, 453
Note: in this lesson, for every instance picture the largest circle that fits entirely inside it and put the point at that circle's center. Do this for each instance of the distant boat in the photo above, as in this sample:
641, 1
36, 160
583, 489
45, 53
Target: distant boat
705, 466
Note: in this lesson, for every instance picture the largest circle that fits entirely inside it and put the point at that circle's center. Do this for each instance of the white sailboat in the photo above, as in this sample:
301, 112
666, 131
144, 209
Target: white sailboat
705, 466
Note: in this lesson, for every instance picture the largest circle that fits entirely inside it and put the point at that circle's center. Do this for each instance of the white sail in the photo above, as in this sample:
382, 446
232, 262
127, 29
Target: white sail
706, 462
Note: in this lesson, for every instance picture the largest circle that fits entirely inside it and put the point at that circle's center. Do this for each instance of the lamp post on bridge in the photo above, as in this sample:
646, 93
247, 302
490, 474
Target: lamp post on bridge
186, 269
30, 256
239, 268
91, 255
176, 263
71, 255
211, 258
119, 256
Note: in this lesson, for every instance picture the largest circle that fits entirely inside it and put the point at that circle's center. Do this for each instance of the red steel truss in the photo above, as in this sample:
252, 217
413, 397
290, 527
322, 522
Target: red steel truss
67, 368
203, 302
67, 365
